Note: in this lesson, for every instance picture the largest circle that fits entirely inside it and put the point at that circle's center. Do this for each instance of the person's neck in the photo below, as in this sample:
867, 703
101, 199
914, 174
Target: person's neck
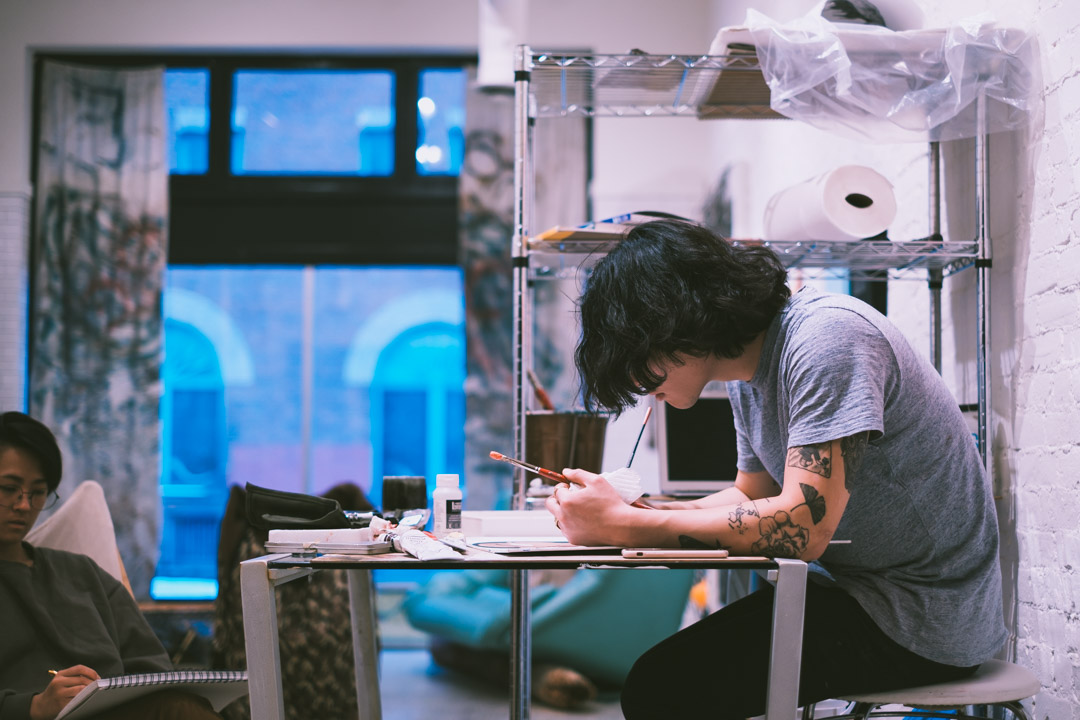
743, 367
14, 552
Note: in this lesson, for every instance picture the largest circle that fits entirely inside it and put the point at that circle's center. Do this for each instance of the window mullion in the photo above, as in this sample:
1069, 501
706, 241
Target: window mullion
221, 111
406, 92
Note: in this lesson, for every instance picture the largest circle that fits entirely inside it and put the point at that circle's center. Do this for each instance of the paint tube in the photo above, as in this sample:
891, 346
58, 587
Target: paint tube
422, 547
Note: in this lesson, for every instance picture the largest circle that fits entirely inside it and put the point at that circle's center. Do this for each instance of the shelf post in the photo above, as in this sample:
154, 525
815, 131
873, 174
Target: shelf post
983, 264
521, 641
520, 259
935, 275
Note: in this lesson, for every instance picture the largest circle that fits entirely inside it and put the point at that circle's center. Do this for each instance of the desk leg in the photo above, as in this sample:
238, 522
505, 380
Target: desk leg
787, 631
261, 641
365, 625
520, 641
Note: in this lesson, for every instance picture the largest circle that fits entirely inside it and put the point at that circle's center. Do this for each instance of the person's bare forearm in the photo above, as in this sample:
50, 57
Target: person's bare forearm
775, 527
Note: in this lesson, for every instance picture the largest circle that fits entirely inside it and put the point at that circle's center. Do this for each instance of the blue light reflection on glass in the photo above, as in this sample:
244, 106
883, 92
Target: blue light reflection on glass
441, 120
188, 119
313, 122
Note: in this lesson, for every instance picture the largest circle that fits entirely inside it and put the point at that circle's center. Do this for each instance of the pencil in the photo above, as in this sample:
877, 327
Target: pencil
54, 672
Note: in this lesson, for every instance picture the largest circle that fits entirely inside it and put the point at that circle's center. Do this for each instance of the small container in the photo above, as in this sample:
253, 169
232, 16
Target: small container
447, 505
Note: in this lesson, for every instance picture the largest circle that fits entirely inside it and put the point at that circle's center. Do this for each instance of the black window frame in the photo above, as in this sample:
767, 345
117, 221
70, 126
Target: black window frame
218, 218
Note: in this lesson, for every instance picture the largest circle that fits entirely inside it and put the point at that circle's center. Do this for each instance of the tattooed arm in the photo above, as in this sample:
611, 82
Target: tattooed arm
797, 523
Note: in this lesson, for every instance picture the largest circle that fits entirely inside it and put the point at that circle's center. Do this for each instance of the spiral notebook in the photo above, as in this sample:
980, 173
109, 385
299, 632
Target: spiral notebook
220, 687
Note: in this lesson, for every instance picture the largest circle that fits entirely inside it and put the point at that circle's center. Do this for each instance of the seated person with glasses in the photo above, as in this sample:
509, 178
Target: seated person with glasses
66, 621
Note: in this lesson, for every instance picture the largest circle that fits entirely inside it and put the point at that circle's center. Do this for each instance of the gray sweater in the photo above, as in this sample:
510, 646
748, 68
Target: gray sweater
63, 611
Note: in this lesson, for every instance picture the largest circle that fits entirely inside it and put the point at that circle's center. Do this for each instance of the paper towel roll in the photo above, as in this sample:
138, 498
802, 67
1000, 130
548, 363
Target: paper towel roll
851, 202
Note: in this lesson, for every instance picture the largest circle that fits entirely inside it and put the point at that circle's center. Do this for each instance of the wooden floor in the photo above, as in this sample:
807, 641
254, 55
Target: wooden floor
414, 688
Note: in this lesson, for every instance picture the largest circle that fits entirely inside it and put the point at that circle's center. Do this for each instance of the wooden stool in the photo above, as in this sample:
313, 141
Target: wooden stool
996, 683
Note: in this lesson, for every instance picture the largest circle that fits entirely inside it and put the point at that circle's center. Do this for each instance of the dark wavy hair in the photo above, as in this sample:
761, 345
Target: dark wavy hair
670, 287
23, 432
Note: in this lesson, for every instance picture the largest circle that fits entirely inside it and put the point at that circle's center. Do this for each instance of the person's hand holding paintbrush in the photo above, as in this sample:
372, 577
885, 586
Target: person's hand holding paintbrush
623, 483
628, 488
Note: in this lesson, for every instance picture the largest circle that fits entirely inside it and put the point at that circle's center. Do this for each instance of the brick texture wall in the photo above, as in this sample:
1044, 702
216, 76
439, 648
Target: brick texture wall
1036, 305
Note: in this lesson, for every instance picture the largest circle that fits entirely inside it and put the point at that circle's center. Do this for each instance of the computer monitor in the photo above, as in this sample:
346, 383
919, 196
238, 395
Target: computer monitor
696, 447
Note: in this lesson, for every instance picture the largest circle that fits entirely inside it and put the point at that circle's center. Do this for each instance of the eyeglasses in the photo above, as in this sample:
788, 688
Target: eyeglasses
12, 495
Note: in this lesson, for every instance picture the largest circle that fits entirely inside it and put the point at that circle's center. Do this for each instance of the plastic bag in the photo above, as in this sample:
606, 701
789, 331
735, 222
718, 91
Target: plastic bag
917, 85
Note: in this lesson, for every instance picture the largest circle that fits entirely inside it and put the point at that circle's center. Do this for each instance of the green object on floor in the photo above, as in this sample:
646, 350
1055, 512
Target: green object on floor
598, 623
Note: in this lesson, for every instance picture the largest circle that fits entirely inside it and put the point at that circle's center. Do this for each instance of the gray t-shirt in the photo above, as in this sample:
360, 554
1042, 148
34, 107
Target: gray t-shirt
923, 556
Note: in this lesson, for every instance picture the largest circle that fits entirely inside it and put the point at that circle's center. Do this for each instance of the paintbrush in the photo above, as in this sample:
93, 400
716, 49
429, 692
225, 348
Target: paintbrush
541, 393
641, 432
542, 472
626, 481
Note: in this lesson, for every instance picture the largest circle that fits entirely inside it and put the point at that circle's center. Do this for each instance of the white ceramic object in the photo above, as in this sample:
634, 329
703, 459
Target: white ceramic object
626, 482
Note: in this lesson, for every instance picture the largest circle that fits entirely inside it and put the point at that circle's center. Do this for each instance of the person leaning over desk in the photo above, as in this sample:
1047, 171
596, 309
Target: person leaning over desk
65, 619
843, 432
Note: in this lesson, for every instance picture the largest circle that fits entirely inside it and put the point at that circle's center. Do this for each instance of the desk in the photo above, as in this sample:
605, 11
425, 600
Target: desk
259, 577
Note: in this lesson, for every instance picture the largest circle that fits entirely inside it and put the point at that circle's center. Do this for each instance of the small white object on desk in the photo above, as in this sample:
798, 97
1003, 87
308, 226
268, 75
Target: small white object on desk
536, 523
306, 540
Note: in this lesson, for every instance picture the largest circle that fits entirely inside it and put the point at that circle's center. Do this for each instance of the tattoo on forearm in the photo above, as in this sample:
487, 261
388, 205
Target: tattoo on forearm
815, 503
816, 458
781, 536
735, 518
852, 449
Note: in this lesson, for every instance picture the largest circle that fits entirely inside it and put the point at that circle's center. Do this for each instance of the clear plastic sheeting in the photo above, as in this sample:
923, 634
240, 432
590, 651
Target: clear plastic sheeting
917, 85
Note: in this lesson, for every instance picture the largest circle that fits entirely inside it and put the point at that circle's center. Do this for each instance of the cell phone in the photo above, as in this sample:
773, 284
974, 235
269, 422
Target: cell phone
673, 553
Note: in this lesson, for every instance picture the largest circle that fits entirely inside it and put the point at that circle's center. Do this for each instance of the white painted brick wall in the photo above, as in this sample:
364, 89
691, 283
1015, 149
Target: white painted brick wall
1038, 355
14, 231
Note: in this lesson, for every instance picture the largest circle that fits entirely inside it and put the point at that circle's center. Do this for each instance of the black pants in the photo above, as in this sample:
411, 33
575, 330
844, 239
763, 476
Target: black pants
718, 667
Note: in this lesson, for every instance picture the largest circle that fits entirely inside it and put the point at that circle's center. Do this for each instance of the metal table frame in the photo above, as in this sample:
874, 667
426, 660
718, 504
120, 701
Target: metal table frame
260, 576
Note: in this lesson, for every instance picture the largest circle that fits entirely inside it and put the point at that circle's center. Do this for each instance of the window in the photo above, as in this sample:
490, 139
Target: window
300, 378
441, 116
319, 160
187, 104
313, 305
314, 311
322, 122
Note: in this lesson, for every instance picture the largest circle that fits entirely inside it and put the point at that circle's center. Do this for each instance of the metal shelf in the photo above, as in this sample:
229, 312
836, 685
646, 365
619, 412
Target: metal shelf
634, 84
858, 259
721, 86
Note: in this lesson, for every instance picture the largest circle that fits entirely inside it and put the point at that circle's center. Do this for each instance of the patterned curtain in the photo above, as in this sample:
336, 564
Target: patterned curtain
487, 225
98, 263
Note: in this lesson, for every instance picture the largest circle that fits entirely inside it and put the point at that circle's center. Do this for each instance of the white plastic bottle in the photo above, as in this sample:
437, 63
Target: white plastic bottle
446, 502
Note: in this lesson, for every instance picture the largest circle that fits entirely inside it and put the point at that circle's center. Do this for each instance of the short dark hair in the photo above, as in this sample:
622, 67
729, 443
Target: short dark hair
670, 287
19, 430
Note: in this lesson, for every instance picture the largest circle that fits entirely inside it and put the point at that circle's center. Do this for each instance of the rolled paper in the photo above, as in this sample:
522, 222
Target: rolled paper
851, 202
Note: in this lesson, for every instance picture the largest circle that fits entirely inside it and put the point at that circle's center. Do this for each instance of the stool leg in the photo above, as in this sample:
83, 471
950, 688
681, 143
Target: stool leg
1016, 709
808, 711
861, 711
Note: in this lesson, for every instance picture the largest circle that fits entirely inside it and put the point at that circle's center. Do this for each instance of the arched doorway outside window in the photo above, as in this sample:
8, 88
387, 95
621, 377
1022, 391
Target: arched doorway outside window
418, 405
194, 457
